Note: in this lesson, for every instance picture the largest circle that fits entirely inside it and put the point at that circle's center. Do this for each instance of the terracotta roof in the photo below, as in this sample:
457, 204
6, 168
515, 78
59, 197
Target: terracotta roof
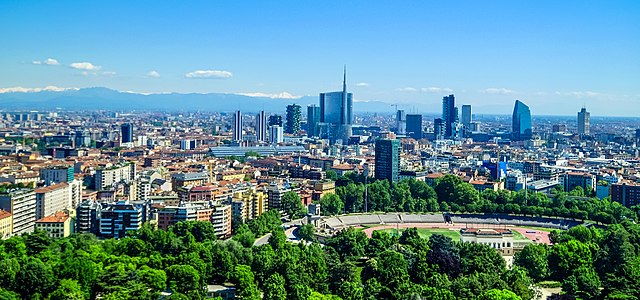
58, 217
4, 214
50, 188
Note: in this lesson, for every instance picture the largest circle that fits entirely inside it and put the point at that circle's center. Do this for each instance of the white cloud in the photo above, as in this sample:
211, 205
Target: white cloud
585, 94
85, 66
153, 74
362, 84
48, 61
109, 73
283, 95
19, 89
216, 74
498, 91
437, 90
407, 89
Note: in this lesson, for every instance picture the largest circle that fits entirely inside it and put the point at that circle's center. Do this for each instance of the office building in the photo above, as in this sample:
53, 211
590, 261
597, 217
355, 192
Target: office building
466, 117
294, 115
56, 225
571, 180
21, 203
627, 194
119, 218
88, 217
56, 174
387, 161
6, 224
275, 120
401, 122
276, 134
521, 122
414, 126
313, 121
584, 120
237, 126
449, 114
261, 127
126, 133
336, 113
439, 129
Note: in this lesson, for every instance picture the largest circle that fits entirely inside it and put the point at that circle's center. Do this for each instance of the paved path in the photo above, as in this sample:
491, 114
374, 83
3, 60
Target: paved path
542, 236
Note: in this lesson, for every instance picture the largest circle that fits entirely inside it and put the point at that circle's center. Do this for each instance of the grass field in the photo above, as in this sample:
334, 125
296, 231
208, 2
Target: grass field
427, 232
518, 236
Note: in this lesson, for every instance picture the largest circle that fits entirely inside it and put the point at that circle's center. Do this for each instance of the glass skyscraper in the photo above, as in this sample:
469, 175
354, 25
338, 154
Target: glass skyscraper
449, 114
414, 126
126, 131
387, 163
261, 127
521, 123
336, 112
313, 118
584, 120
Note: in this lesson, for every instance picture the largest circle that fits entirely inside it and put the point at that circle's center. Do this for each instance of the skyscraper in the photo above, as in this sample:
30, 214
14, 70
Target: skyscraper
126, 131
387, 163
261, 127
275, 120
276, 134
584, 120
313, 118
336, 112
466, 116
438, 128
237, 126
449, 114
294, 115
414, 126
521, 123
401, 122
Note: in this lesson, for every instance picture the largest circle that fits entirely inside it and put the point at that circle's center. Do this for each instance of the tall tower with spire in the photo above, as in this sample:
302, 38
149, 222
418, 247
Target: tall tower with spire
336, 113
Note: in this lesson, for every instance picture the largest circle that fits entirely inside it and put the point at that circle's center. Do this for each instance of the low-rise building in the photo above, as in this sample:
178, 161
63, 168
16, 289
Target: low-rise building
57, 225
499, 239
6, 224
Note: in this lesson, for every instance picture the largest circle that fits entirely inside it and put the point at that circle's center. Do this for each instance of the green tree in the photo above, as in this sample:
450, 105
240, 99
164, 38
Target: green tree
184, 279
245, 283
331, 204
446, 186
274, 288
584, 283
67, 290
307, 232
495, 294
534, 259
244, 236
292, 205
35, 277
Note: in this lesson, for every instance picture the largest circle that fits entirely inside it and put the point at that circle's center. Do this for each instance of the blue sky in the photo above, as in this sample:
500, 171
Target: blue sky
553, 55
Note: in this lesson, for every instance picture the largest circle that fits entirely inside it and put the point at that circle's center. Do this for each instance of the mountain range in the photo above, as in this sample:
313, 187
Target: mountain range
100, 98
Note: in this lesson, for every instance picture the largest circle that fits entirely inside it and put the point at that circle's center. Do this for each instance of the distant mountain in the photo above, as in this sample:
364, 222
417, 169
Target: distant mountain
100, 98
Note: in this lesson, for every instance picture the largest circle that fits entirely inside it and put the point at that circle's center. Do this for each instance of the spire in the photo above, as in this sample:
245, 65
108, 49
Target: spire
344, 81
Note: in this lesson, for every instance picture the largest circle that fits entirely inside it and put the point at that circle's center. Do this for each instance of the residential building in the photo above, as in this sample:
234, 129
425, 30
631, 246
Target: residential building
106, 178
387, 160
6, 224
438, 129
261, 127
88, 217
627, 194
169, 216
51, 199
21, 203
294, 115
572, 180
57, 225
56, 174
221, 220
249, 204
116, 219
237, 126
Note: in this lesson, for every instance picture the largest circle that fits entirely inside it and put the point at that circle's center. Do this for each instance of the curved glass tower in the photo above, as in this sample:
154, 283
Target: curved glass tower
521, 125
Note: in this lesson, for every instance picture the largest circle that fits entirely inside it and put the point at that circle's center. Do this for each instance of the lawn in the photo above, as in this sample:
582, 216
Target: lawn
519, 236
427, 232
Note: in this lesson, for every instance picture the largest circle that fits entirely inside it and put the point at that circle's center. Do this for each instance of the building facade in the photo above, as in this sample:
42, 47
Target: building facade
313, 121
294, 116
336, 113
387, 160
57, 225
521, 122
584, 121
237, 126
414, 126
449, 114
21, 203
261, 127
119, 218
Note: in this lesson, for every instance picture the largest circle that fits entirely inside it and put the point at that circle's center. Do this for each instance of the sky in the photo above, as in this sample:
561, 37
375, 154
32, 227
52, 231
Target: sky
555, 56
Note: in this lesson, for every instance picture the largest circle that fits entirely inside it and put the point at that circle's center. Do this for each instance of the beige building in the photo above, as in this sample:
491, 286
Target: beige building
57, 225
499, 239
6, 224
52, 198
21, 203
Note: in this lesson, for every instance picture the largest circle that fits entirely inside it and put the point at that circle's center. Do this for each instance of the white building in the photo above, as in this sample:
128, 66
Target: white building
499, 239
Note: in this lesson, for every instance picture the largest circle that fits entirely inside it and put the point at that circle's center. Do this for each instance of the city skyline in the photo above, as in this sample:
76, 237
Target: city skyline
497, 54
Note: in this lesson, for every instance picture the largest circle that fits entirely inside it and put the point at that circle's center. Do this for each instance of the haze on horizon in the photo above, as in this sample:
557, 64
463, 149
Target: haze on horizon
555, 56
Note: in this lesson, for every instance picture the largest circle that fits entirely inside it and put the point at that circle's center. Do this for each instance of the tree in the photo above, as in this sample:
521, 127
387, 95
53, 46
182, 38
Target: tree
292, 205
274, 288
445, 254
584, 283
446, 186
534, 259
35, 277
67, 290
244, 236
353, 196
567, 257
156, 280
331, 174
331, 204
307, 232
495, 294
349, 243
245, 283
184, 279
